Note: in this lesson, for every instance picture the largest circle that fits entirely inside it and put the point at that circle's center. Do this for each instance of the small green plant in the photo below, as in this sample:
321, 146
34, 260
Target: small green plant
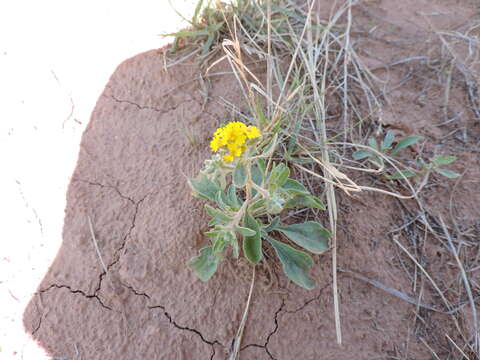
385, 147
248, 192
439, 161
426, 168
379, 151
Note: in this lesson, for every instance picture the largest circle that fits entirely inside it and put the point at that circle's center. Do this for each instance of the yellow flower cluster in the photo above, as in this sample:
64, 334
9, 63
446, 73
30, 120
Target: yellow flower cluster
232, 137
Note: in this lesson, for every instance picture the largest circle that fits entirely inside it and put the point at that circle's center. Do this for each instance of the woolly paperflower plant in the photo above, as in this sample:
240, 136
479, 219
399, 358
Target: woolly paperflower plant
248, 191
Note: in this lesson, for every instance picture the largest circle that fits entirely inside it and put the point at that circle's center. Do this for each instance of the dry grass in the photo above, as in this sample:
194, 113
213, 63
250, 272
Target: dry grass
315, 83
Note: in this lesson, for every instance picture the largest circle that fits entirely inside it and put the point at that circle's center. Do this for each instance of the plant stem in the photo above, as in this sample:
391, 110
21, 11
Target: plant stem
248, 186
261, 190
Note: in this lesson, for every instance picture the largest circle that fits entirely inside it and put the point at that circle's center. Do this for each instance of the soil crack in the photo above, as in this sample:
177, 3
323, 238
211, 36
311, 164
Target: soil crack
116, 256
308, 301
152, 108
137, 293
75, 291
265, 346
117, 253
173, 322
106, 186
38, 326
186, 328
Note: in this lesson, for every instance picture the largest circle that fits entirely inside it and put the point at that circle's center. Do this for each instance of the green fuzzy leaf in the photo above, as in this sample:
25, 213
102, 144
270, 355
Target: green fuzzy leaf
228, 201
402, 174
273, 225
252, 245
231, 237
405, 142
233, 198
295, 264
218, 216
447, 173
257, 204
294, 187
372, 142
443, 160
361, 154
219, 245
204, 264
240, 175
262, 166
275, 204
388, 140
279, 175
305, 201
212, 233
257, 177
245, 231
205, 188
310, 235
222, 201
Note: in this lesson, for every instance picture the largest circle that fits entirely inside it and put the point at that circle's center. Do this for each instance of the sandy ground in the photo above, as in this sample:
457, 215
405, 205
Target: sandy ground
55, 59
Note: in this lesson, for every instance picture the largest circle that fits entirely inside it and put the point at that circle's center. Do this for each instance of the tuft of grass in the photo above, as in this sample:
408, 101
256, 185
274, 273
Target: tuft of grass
204, 27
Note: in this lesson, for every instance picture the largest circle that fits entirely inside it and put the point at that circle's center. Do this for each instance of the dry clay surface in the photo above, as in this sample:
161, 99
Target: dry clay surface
148, 133
131, 181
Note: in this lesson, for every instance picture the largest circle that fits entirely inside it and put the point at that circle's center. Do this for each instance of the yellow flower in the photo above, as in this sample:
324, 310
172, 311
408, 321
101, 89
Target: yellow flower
228, 158
215, 144
252, 132
232, 138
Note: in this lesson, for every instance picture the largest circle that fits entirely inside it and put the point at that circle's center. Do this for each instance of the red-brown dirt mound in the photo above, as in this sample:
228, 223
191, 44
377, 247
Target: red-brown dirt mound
131, 181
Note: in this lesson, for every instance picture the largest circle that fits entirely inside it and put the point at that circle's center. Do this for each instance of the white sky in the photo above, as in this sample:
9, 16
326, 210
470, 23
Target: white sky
53, 53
